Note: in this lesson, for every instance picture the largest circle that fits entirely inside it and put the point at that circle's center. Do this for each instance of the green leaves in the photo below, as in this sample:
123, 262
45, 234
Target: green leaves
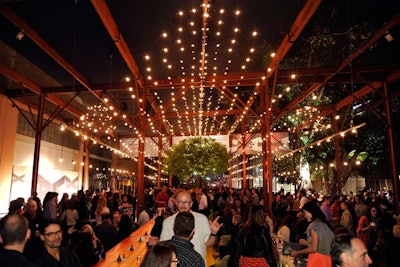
196, 156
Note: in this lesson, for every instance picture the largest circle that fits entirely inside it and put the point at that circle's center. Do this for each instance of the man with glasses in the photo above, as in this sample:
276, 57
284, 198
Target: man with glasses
54, 254
205, 234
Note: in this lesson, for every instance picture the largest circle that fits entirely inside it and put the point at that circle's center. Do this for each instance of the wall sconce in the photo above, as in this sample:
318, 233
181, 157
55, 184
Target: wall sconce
20, 35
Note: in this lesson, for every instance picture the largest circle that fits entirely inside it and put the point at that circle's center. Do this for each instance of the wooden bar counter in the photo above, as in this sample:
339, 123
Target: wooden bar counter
133, 258
128, 257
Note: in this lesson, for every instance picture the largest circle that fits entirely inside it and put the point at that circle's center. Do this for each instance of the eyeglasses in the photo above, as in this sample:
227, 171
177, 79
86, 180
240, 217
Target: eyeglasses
53, 234
184, 202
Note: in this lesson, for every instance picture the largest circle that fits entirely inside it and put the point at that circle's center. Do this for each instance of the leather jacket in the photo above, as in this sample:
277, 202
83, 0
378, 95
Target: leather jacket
253, 241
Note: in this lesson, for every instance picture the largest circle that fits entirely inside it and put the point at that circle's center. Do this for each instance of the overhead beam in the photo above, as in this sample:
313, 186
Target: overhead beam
308, 75
30, 85
28, 31
345, 62
294, 32
110, 24
203, 113
49, 50
297, 27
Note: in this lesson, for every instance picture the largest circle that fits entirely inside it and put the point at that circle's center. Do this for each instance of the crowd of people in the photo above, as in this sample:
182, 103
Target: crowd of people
316, 230
77, 230
359, 229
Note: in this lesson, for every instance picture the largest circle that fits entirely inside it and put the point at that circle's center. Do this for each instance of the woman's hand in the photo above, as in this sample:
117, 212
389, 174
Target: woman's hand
303, 242
294, 253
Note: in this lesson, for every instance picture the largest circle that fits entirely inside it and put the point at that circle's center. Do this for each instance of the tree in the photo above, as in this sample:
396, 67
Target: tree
196, 157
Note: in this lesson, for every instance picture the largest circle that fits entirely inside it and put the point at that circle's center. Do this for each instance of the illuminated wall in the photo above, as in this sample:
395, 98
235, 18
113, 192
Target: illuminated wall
8, 125
53, 175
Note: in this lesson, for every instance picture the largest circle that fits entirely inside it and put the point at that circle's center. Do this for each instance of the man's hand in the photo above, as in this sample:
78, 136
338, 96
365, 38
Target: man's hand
215, 226
153, 240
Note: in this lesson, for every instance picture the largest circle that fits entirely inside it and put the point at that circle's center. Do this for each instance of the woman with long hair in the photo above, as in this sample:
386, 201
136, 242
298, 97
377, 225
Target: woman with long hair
161, 255
370, 231
101, 209
50, 205
319, 238
346, 219
89, 247
284, 229
253, 245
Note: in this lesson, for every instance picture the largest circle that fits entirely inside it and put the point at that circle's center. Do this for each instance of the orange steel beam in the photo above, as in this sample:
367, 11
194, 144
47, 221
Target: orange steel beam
26, 83
252, 78
167, 105
235, 101
49, 50
28, 31
299, 23
392, 77
295, 30
110, 24
308, 75
204, 113
345, 62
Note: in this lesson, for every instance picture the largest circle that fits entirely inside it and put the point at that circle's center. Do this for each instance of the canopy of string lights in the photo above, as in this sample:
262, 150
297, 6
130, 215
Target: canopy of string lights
125, 72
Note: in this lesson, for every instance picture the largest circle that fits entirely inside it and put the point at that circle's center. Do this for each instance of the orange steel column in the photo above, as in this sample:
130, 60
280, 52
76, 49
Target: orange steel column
244, 172
170, 145
38, 139
264, 96
337, 155
86, 166
267, 141
230, 160
160, 147
80, 160
141, 145
389, 131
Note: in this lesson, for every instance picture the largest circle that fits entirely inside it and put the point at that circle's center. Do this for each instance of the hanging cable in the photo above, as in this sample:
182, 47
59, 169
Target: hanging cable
74, 38
350, 65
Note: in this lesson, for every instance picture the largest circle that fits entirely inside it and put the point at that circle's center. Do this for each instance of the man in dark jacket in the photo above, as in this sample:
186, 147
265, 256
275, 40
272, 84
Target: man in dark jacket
54, 255
14, 233
106, 232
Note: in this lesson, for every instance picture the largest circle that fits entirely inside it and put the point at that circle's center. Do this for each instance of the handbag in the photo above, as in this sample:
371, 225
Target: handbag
275, 249
252, 262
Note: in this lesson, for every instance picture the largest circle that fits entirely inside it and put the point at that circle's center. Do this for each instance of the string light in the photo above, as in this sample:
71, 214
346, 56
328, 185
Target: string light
342, 133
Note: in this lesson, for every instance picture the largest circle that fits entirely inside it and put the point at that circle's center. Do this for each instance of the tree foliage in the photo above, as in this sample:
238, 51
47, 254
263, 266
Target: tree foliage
196, 156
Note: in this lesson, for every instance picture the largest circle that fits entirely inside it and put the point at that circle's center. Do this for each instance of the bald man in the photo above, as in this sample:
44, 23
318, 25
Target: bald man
14, 233
205, 234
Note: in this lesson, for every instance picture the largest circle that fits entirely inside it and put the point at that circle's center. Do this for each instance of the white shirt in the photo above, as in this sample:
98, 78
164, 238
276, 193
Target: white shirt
303, 200
284, 233
143, 218
202, 232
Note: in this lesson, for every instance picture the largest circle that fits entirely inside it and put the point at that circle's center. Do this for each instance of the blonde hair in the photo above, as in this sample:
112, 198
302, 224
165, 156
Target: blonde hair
101, 203
87, 228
